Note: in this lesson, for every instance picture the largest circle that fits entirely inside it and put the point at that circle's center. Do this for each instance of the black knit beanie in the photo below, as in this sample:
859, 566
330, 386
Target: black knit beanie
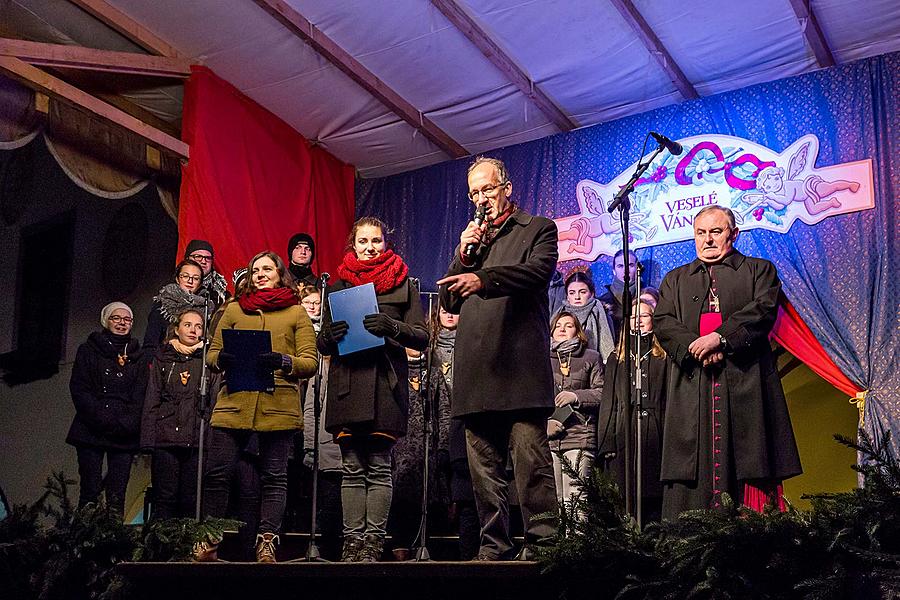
195, 245
301, 237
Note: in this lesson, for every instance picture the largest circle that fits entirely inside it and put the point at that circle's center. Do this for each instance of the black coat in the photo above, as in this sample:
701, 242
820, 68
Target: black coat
502, 356
585, 379
368, 390
171, 417
761, 432
108, 397
157, 325
611, 426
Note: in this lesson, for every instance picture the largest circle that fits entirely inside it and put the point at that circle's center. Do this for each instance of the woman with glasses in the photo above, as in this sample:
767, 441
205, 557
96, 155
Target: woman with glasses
172, 300
108, 380
368, 396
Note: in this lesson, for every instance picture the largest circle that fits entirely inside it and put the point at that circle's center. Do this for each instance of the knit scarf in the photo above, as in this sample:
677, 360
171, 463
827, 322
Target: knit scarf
592, 317
268, 299
495, 225
386, 271
173, 300
217, 287
443, 354
566, 346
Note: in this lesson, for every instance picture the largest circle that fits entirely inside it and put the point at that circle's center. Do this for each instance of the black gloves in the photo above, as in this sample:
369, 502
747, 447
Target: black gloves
333, 332
381, 325
271, 360
225, 360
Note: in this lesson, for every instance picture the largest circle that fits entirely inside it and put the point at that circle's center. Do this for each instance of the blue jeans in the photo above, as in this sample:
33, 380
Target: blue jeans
366, 488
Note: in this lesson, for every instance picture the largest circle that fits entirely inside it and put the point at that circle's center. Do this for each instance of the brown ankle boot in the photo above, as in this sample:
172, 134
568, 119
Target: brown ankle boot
205, 551
265, 547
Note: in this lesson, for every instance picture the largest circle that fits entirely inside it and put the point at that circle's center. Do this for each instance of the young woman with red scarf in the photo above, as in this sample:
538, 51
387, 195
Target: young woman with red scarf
368, 396
269, 302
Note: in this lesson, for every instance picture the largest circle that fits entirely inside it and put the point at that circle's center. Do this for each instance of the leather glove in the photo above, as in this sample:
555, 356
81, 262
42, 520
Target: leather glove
333, 332
272, 360
225, 360
565, 397
381, 325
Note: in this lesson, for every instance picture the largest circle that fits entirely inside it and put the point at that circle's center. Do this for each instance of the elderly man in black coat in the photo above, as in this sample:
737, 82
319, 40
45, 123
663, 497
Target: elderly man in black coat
727, 426
502, 382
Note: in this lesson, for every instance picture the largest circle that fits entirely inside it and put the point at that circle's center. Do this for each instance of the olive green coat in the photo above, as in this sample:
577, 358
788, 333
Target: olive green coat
292, 334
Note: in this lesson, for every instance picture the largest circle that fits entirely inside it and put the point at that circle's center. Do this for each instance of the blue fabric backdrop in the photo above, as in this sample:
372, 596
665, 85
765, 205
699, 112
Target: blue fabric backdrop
841, 275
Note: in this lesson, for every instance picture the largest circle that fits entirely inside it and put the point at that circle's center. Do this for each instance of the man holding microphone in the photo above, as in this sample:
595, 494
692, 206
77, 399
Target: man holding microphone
502, 382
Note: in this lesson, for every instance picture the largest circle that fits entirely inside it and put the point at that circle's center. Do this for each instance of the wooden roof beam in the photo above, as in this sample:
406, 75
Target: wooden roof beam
76, 57
813, 33
484, 41
127, 26
340, 58
42, 81
640, 26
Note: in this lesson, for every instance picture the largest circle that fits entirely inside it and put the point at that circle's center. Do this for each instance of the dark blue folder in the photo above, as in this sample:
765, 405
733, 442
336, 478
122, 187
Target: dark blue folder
246, 375
352, 305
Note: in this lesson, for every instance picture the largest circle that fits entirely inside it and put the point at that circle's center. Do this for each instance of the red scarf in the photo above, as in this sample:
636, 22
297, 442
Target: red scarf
267, 299
386, 271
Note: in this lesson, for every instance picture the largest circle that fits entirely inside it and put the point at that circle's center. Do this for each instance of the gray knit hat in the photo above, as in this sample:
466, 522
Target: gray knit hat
108, 310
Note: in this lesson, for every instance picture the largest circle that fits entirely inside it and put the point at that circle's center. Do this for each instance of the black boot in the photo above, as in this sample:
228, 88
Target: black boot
372, 549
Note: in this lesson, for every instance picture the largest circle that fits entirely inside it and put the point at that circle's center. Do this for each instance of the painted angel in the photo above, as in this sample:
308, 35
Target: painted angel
778, 192
583, 230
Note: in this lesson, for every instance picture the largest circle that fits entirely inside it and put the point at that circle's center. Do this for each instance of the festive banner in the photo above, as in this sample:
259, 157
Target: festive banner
765, 189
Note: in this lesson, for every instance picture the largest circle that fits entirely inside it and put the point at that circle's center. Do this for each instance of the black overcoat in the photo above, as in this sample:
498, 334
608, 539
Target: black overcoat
171, 416
368, 390
108, 397
761, 433
502, 356
612, 427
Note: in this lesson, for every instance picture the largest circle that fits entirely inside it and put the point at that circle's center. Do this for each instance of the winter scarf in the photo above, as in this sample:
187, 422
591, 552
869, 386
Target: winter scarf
173, 301
268, 299
218, 288
572, 346
593, 320
386, 271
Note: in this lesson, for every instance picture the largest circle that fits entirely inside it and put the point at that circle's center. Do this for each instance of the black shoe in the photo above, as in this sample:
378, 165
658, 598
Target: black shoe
353, 545
372, 548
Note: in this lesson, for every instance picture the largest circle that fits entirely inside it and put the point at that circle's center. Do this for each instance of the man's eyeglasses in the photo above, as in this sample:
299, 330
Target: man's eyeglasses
120, 319
190, 278
311, 303
488, 191
200, 258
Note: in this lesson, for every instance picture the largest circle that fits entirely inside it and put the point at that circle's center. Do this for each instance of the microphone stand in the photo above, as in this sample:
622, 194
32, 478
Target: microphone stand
204, 404
623, 203
313, 554
428, 412
638, 404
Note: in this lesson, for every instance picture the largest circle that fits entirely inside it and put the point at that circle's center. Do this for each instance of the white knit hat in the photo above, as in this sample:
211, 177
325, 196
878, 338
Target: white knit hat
109, 308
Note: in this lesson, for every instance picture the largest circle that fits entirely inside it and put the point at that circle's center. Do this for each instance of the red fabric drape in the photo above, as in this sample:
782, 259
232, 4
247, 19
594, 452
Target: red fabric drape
791, 332
252, 181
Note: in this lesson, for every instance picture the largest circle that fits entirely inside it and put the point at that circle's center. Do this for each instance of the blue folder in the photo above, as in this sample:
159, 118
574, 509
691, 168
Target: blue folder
352, 305
246, 374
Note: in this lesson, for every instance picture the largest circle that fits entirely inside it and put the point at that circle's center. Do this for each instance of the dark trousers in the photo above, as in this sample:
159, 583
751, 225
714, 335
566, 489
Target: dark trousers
469, 530
225, 446
490, 438
92, 482
173, 473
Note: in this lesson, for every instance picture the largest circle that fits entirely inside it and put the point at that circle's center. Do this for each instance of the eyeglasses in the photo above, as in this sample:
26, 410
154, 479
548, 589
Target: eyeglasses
488, 191
120, 319
311, 303
200, 257
190, 278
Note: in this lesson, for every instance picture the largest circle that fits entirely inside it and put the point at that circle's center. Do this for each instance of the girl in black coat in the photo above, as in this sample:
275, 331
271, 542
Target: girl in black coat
170, 428
107, 386
612, 427
368, 396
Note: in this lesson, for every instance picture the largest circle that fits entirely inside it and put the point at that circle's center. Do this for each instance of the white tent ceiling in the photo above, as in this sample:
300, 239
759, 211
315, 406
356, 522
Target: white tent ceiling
583, 54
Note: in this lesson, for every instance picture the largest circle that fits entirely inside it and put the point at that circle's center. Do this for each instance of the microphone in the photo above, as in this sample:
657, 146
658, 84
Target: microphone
325, 276
674, 147
470, 249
